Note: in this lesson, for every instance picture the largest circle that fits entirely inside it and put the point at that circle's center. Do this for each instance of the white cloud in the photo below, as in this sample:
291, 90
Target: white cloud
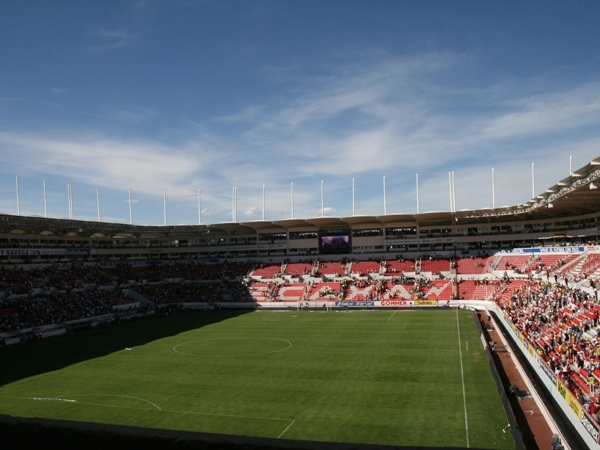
392, 117
142, 166
547, 113
253, 211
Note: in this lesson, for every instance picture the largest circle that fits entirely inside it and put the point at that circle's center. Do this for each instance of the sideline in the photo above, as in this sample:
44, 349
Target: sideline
462, 376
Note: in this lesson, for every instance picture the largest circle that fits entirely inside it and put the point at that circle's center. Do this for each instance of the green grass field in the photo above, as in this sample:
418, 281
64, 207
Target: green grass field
412, 378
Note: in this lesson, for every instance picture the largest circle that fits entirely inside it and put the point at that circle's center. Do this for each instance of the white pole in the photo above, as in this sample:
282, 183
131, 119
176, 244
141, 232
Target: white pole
384, 198
72, 206
18, 195
353, 204
233, 205
417, 193
571, 165
69, 197
450, 189
322, 200
165, 206
130, 209
263, 208
532, 180
98, 203
453, 194
45, 199
199, 208
292, 198
493, 189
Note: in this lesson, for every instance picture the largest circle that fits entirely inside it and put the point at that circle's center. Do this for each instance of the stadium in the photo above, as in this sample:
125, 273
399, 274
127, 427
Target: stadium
524, 279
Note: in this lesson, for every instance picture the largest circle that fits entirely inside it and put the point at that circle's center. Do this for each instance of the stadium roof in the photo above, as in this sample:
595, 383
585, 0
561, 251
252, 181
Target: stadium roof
576, 195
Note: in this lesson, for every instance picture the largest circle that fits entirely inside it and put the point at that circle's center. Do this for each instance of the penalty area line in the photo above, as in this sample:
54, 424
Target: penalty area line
286, 428
158, 409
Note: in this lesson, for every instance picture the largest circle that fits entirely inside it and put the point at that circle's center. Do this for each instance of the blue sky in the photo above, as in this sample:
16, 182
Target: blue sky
176, 98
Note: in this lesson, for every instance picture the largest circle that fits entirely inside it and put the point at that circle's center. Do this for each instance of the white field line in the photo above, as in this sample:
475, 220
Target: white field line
208, 355
287, 428
64, 398
462, 376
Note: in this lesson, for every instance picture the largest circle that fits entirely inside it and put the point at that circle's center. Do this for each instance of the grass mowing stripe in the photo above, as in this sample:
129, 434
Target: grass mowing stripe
367, 377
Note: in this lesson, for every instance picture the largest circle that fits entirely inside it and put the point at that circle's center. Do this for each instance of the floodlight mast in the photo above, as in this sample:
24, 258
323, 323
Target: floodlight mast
130, 209
417, 180
384, 198
353, 210
199, 208
18, 195
98, 203
493, 189
292, 197
165, 206
45, 199
322, 200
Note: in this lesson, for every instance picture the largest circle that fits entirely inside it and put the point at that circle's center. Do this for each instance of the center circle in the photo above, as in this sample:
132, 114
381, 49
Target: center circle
225, 347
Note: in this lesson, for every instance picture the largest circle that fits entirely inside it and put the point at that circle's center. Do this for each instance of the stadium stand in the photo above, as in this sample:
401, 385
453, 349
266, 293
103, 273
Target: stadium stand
396, 267
58, 275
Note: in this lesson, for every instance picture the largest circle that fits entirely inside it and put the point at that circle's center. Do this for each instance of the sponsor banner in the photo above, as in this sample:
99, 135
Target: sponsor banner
78, 251
447, 240
570, 399
476, 252
385, 303
590, 427
231, 248
573, 249
547, 370
483, 341
425, 302
43, 251
394, 303
256, 247
360, 304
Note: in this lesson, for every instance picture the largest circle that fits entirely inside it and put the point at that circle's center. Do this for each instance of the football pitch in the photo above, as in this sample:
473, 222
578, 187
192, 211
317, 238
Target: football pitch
399, 378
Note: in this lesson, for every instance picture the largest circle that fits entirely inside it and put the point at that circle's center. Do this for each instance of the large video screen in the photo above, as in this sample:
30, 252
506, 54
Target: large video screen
334, 244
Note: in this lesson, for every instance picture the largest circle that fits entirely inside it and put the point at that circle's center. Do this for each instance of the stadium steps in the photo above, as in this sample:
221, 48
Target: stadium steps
140, 298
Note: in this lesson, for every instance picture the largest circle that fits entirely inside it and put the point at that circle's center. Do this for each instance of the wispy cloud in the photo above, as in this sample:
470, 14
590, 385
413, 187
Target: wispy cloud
135, 115
105, 39
392, 117
547, 113
144, 166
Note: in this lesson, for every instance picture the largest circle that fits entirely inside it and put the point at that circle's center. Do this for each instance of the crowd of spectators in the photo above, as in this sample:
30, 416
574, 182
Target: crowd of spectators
192, 292
58, 293
55, 294
561, 323
19, 313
